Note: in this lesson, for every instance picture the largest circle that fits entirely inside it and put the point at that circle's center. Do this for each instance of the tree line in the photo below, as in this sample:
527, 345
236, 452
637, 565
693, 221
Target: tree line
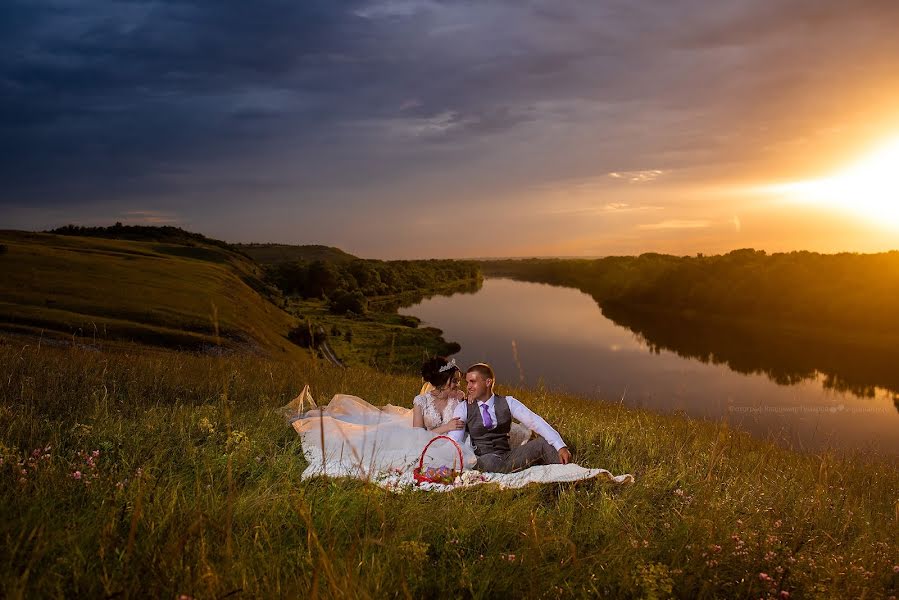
348, 286
145, 233
846, 289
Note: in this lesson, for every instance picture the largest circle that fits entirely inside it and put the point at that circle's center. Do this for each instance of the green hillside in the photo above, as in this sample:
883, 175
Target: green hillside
164, 294
271, 254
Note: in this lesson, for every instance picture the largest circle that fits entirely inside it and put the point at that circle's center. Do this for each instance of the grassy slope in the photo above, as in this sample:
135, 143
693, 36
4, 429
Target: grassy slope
277, 253
197, 491
157, 293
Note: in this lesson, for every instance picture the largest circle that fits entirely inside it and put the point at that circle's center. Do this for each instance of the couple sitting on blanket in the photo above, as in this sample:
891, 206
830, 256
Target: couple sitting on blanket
485, 418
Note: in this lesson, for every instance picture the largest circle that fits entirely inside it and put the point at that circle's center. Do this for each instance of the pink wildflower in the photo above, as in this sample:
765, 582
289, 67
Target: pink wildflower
76, 475
95, 453
764, 577
784, 594
895, 568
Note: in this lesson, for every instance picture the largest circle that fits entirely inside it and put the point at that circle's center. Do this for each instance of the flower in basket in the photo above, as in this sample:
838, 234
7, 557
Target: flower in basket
443, 474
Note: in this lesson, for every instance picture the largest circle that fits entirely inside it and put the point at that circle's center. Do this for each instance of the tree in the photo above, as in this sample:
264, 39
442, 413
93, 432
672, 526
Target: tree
343, 302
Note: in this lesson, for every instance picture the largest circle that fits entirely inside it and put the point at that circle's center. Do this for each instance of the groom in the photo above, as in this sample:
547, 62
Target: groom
488, 420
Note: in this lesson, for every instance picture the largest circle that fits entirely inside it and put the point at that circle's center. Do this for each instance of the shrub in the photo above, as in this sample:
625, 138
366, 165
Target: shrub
344, 302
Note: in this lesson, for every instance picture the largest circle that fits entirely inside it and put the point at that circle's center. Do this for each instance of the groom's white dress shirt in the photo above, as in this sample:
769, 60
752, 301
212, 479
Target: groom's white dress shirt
522, 413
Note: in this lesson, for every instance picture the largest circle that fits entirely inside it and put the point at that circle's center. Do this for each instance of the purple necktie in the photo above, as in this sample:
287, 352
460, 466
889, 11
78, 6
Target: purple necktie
488, 422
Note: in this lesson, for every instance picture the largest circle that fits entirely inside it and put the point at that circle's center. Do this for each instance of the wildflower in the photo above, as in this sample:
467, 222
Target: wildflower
678, 492
76, 475
414, 551
785, 595
778, 523
765, 577
95, 453
895, 568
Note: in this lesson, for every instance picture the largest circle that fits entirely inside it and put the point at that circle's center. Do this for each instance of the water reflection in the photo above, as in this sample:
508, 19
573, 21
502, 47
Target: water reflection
786, 358
805, 394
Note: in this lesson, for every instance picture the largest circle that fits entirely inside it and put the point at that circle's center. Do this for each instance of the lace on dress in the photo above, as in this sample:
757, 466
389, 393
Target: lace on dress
432, 417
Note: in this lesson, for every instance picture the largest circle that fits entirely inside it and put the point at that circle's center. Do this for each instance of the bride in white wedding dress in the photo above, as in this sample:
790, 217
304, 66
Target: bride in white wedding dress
350, 437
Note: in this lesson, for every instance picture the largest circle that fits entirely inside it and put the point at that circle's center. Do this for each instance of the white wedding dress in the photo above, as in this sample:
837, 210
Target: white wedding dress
351, 438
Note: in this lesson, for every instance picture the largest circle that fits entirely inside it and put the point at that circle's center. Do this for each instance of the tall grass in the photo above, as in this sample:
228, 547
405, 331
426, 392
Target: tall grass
157, 475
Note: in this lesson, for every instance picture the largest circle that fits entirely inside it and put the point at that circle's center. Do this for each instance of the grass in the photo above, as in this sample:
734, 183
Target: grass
268, 254
163, 294
196, 490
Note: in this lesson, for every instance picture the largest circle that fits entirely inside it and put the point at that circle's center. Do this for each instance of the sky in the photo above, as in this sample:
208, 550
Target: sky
424, 128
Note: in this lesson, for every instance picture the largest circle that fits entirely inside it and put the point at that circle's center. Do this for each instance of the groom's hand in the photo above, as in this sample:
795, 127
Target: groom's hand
564, 455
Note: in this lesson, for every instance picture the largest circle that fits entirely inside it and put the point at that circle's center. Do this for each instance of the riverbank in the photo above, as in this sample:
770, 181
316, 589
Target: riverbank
195, 489
380, 339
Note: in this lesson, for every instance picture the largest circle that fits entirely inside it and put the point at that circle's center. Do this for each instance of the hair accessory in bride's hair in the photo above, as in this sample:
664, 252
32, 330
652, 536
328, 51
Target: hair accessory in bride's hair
450, 365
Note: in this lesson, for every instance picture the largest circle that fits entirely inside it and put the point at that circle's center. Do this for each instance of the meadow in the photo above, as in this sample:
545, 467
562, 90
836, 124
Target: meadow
163, 294
136, 473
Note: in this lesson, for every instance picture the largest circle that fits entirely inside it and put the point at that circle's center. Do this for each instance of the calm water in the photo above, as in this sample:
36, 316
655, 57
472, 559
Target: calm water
805, 395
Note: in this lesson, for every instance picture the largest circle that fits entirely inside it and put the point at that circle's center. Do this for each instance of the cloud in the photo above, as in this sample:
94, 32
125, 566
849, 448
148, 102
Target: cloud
675, 224
637, 176
181, 106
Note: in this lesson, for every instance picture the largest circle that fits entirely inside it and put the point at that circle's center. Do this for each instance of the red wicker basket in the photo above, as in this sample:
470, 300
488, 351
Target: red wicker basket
442, 475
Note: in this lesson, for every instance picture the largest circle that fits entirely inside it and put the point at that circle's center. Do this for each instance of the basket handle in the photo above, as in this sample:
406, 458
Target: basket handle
421, 460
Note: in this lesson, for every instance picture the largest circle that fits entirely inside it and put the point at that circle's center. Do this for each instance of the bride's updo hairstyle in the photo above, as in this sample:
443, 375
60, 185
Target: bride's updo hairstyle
431, 371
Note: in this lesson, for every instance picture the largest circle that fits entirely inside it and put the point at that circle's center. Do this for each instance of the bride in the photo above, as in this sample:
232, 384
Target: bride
433, 409
350, 437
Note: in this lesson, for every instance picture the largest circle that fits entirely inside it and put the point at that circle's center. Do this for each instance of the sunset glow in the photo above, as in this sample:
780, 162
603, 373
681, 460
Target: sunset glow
869, 188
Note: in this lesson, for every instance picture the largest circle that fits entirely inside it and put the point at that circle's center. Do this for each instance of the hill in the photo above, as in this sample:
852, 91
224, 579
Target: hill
192, 296
272, 254
143, 233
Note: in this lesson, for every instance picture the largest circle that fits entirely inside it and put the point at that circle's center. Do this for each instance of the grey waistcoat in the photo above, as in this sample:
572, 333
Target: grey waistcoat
490, 441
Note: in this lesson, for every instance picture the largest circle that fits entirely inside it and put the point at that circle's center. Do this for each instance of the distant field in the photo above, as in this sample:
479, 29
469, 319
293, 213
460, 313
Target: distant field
269, 254
154, 293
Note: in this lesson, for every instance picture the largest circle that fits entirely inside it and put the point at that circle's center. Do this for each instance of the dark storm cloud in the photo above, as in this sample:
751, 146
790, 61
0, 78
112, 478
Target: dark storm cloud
162, 100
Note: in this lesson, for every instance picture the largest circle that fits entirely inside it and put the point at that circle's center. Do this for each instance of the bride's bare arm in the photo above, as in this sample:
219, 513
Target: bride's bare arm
418, 419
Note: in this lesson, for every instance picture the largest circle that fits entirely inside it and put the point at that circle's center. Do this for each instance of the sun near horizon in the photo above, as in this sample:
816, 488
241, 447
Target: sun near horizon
868, 187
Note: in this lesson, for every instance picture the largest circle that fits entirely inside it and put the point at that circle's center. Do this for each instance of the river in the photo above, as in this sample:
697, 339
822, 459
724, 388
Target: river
803, 395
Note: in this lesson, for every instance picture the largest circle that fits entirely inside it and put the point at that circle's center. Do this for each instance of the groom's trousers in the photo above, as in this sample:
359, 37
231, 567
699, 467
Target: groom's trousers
536, 452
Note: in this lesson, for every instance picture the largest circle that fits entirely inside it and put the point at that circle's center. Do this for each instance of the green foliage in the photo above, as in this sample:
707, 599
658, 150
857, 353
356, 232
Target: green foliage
350, 284
853, 290
196, 489
344, 302
371, 278
144, 233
